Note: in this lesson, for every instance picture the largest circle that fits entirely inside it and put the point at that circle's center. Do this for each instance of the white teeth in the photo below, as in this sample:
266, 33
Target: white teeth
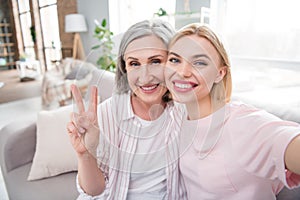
183, 86
149, 88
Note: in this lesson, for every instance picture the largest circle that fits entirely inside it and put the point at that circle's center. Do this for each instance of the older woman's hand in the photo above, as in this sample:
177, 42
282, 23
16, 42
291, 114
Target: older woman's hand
83, 128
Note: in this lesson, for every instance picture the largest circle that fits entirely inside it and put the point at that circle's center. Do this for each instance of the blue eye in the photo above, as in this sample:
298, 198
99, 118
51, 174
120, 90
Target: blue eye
174, 60
199, 63
134, 64
156, 61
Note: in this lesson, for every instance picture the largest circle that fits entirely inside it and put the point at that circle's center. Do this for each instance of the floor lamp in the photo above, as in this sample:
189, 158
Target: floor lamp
75, 23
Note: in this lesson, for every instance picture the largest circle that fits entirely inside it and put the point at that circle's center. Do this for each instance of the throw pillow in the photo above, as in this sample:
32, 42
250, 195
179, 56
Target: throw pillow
54, 153
78, 73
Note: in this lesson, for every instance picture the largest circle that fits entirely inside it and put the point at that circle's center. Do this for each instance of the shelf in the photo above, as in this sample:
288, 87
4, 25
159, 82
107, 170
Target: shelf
7, 54
4, 24
6, 44
5, 34
9, 64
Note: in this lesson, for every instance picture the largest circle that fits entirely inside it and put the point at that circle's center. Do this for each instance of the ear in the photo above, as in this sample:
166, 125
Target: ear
221, 73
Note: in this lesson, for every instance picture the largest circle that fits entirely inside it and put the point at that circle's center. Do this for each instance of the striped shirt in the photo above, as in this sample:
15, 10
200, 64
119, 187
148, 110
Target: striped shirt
120, 132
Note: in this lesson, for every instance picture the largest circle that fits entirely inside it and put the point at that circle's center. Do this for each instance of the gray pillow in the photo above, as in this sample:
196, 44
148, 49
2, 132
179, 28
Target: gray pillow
77, 73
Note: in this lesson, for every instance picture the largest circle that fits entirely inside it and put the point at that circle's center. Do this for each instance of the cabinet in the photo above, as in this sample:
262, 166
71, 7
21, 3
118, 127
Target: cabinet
7, 46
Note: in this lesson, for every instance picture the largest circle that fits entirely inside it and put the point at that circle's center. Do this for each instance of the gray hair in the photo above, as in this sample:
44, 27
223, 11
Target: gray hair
159, 28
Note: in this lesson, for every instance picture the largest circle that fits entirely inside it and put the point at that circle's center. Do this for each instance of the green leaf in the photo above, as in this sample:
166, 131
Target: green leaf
103, 23
96, 46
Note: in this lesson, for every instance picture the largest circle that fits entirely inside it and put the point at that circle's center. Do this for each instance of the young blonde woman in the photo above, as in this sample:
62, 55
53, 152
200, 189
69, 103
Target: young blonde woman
230, 150
135, 156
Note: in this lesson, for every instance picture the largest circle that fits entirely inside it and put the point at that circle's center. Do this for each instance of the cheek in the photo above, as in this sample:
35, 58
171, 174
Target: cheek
132, 77
168, 73
207, 77
157, 71
170, 70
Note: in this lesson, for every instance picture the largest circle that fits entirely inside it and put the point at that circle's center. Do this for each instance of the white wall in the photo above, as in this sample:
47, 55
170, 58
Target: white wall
92, 9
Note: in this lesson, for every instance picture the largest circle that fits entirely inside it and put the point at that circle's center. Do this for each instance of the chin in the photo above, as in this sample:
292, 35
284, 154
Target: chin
155, 98
181, 98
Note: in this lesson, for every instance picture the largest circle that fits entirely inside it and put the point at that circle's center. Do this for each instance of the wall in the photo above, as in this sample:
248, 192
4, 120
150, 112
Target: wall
194, 6
92, 9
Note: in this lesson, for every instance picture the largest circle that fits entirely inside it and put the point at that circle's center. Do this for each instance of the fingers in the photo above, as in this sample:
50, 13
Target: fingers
78, 99
80, 122
93, 100
72, 131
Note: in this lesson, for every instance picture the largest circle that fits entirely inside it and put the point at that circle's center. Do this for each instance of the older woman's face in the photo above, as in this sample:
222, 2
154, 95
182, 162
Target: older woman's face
145, 60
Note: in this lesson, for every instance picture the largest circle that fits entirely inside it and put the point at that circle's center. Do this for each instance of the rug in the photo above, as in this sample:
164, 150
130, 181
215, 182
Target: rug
13, 89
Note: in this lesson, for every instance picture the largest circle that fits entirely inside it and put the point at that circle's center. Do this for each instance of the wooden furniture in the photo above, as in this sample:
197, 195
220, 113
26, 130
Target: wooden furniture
7, 47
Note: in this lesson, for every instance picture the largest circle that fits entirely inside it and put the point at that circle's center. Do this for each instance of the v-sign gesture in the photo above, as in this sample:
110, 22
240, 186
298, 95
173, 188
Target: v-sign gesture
83, 129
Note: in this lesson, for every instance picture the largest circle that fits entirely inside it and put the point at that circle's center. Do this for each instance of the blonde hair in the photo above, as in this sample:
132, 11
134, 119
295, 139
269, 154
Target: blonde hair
205, 32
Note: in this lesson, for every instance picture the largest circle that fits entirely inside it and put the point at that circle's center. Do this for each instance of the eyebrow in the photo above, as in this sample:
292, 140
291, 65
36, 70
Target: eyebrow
131, 58
174, 54
155, 56
194, 57
200, 56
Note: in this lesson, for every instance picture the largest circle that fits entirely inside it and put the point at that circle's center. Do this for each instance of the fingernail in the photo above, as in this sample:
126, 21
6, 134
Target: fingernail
81, 130
71, 128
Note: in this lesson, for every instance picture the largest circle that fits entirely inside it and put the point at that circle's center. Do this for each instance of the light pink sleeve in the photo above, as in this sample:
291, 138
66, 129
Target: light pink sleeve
259, 141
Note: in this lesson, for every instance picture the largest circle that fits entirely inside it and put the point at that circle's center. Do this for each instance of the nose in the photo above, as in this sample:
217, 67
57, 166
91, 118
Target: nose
145, 74
186, 69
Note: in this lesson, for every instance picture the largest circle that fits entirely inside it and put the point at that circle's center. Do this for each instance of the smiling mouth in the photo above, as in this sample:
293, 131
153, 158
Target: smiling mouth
148, 88
185, 85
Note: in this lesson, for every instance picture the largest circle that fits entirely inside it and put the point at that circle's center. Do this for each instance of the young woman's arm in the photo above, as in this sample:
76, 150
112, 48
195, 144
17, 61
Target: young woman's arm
292, 156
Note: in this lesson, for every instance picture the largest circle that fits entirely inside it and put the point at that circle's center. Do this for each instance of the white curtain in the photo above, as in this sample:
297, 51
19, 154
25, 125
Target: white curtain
124, 13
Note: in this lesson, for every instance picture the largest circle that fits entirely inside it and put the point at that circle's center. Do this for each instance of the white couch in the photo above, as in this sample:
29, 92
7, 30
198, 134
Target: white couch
18, 142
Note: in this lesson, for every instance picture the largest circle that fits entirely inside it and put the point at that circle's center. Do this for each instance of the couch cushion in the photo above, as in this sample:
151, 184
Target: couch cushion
21, 134
60, 187
54, 153
105, 81
286, 194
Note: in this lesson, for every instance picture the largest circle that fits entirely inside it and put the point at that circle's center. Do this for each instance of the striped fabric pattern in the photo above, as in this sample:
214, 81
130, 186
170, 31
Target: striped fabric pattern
119, 134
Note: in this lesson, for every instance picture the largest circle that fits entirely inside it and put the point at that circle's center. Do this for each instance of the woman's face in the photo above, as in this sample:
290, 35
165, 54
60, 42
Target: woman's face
145, 60
192, 68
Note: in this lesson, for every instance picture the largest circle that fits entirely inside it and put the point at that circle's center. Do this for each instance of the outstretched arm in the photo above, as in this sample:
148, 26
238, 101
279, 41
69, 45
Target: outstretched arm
84, 135
292, 156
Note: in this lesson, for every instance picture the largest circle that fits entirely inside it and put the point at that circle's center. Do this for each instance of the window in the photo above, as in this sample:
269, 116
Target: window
39, 29
26, 24
262, 38
124, 13
50, 30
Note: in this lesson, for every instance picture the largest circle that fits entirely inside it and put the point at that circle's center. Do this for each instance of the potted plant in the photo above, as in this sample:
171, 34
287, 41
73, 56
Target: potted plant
107, 60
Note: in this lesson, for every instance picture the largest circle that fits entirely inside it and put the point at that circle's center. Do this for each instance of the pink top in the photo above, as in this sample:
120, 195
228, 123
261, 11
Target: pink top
236, 153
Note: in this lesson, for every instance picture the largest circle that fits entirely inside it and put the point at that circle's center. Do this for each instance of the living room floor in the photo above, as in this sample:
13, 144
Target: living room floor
17, 110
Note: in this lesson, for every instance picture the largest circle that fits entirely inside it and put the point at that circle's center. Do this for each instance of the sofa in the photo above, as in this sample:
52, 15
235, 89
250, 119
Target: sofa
18, 143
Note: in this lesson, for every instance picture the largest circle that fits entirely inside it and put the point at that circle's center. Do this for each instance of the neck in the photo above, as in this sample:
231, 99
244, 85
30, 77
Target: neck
147, 111
202, 108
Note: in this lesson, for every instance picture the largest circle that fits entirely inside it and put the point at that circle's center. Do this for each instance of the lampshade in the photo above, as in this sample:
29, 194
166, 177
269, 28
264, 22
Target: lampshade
75, 23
